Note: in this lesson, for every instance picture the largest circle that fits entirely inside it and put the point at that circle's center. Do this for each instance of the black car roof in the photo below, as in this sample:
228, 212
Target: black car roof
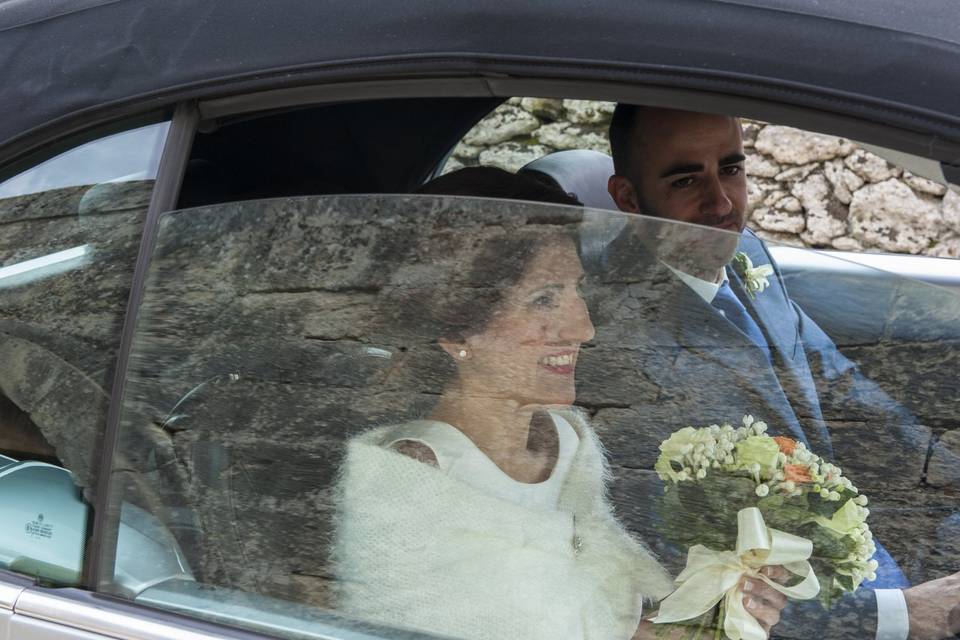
65, 57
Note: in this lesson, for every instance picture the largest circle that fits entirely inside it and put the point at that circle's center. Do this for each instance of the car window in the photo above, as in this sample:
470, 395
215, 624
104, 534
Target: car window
806, 188
71, 231
126, 156
444, 414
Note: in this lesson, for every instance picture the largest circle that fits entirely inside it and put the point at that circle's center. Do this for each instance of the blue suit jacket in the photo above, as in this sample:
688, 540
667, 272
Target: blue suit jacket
675, 361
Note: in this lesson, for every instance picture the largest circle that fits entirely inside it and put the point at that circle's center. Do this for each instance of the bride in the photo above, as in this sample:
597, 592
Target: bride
489, 518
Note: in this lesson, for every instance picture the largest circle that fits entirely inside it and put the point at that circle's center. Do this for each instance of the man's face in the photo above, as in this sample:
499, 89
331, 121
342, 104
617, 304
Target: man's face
688, 167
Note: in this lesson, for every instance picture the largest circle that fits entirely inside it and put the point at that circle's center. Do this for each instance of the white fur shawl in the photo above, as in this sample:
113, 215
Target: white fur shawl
416, 548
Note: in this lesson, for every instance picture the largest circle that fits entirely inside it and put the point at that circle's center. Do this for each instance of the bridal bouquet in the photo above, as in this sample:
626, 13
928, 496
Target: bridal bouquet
738, 499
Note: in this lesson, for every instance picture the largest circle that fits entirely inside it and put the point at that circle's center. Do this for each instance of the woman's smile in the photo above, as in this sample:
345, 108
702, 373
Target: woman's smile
563, 363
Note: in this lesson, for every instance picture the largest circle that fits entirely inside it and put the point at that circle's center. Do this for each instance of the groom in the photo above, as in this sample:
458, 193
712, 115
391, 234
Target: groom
714, 352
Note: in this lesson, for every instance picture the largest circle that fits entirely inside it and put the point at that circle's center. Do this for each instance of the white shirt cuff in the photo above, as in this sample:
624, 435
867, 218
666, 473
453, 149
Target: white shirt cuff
893, 621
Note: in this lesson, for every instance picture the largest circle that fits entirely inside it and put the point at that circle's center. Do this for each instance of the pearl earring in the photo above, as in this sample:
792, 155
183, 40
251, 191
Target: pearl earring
462, 354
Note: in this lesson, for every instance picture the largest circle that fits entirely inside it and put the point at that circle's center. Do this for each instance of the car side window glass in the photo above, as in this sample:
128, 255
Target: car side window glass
287, 460
71, 232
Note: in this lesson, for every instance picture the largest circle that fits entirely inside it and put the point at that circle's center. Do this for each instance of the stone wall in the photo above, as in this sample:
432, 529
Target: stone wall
806, 189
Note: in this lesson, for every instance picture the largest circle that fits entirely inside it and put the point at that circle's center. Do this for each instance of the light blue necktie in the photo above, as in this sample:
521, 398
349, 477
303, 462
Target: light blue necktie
734, 311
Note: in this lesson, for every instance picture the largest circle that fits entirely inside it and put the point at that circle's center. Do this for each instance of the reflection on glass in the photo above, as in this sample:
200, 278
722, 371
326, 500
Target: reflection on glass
334, 328
123, 157
45, 266
67, 255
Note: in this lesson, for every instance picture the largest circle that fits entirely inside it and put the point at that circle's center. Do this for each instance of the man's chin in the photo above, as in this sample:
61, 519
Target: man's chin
698, 249
726, 246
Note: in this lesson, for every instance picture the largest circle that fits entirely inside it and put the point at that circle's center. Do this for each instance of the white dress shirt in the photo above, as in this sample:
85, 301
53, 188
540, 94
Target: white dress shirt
893, 620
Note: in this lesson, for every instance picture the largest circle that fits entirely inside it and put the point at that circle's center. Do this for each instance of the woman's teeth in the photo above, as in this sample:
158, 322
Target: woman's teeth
557, 361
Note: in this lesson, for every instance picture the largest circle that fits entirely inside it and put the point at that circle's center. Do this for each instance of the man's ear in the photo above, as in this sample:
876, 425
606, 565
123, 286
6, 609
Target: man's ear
622, 191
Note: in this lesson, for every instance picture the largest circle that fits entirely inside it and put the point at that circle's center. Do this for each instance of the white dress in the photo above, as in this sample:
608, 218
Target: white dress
460, 458
463, 550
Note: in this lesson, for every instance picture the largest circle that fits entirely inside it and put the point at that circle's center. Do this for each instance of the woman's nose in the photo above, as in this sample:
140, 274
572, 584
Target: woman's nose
577, 326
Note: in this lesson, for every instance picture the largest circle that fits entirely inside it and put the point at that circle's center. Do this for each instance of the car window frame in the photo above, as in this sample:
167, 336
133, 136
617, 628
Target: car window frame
101, 550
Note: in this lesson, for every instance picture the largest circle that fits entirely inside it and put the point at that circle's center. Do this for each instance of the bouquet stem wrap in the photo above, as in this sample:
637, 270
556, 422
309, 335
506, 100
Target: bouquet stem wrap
711, 576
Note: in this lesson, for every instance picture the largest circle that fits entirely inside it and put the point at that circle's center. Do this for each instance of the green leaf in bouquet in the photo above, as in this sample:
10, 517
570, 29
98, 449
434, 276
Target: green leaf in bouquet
845, 520
719, 502
828, 544
685, 520
819, 506
728, 493
846, 582
788, 514
833, 586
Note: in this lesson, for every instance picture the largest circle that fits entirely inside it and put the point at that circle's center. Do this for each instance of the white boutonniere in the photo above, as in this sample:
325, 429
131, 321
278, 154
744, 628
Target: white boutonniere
754, 278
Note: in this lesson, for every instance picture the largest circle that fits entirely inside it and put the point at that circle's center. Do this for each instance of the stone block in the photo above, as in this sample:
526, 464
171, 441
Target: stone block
506, 122
948, 247
544, 108
796, 174
835, 172
911, 528
788, 204
562, 135
793, 146
631, 440
880, 457
826, 217
750, 131
944, 466
778, 221
889, 215
589, 111
915, 376
846, 244
761, 166
512, 156
922, 185
871, 167
609, 375
759, 190
466, 151
110, 197
950, 208
54, 203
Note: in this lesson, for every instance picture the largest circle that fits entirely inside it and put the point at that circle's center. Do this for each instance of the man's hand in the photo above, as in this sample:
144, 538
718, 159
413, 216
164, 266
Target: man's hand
934, 608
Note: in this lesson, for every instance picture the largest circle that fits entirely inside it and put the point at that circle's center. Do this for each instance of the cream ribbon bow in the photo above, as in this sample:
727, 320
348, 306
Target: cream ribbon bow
711, 576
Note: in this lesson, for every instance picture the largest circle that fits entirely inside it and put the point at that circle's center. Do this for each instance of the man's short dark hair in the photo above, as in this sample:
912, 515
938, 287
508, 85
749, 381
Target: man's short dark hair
622, 128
